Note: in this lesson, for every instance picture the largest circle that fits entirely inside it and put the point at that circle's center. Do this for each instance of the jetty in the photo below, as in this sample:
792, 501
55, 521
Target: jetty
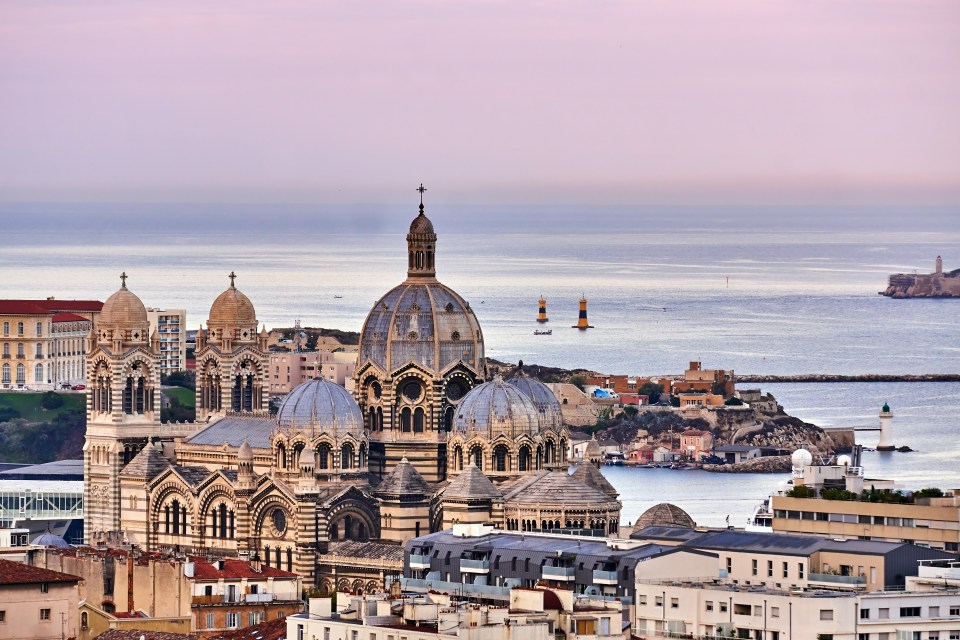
860, 377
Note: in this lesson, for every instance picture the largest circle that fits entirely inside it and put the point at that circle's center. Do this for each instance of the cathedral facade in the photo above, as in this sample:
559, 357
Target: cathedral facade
427, 441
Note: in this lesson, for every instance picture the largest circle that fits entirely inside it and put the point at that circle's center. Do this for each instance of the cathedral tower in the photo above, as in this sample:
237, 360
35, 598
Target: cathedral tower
421, 351
123, 406
231, 359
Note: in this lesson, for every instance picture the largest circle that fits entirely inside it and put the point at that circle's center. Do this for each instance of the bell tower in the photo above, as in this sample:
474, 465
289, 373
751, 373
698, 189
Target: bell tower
421, 246
123, 406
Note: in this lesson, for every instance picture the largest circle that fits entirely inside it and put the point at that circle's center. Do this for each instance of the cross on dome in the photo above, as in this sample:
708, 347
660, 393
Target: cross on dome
232, 277
123, 280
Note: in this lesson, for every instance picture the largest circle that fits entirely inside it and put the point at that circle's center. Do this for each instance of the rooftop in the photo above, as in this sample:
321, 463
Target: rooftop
18, 573
58, 470
233, 430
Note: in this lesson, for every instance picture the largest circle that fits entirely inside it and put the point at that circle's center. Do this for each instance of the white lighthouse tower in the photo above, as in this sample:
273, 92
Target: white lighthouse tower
886, 429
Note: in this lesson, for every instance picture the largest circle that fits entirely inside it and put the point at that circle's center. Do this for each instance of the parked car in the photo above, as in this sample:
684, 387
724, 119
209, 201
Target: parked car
79, 387
66, 385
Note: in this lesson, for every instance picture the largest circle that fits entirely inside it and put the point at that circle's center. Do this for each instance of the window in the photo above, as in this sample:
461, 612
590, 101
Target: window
658, 601
210, 621
883, 614
233, 620
39, 328
643, 600
44, 587
709, 605
955, 611
909, 612
864, 614
933, 612
20, 328
44, 613
326, 633
826, 614
774, 612
786, 571
769, 568
6, 327
863, 636
674, 603
3, 616
723, 607
754, 567
800, 570
729, 565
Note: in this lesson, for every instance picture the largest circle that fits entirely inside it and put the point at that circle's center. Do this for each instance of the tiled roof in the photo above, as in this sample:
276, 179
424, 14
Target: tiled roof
146, 464
554, 487
591, 476
471, 484
65, 316
235, 569
233, 430
193, 475
24, 307
404, 480
48, 306
18, 573
269, 630
665, 515
134, 634
367, 550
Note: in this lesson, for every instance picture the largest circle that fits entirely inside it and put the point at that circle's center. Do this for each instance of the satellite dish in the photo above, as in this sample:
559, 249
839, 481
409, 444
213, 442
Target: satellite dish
801, 458
844, 461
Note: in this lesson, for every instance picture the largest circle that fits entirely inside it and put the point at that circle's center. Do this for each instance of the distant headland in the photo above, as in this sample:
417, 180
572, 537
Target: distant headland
932, 285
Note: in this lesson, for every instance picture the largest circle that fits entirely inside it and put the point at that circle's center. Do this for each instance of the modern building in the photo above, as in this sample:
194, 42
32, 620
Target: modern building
43, 342
44, 497
36, 603
842, 503
170, 326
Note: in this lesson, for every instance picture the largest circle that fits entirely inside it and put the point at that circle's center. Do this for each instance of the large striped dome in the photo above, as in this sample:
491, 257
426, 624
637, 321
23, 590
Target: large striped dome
321, 406
497, 407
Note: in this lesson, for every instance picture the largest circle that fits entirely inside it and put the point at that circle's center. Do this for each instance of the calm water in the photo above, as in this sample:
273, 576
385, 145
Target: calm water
801, 297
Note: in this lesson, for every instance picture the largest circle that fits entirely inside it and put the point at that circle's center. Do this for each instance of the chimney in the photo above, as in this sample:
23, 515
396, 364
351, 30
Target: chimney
129, 583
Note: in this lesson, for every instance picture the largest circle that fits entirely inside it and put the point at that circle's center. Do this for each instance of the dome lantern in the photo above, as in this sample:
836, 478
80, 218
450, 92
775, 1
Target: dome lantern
421, 246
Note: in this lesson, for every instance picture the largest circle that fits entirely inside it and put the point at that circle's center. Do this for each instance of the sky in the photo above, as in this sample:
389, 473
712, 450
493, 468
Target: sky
642, 101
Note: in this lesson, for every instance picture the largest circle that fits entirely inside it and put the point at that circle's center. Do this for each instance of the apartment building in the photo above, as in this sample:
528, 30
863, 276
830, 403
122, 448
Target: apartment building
36, 603
865, 508
170, 326
290, 369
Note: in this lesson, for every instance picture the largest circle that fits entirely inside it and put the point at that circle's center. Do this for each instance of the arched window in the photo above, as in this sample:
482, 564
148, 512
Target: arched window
457, 458
19, 349
323, 456
20, 328
38, 373
477, 454
140, 396
346, 456
39, 328
281, 456
6, 373
128, 397
500, 457
562, 451
373, 419
363, 457
418, 420
21, 374
524, 459
379, 418
448, 419
39, 350
549, 456
6, 349
405, 416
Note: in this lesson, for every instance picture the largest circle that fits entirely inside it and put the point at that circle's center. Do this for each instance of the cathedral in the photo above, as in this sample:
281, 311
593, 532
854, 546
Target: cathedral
427, 441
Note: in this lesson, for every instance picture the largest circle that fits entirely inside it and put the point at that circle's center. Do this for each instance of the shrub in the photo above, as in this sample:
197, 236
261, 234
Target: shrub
929, 492
801, 491
51, 400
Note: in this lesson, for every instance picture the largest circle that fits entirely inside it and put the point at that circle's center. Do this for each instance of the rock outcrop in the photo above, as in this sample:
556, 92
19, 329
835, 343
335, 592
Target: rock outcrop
769, 464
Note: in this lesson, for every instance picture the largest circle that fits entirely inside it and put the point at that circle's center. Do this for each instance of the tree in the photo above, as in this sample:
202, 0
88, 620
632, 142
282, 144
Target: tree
652, 390
51, 400
578, 381
801, 491
185, 379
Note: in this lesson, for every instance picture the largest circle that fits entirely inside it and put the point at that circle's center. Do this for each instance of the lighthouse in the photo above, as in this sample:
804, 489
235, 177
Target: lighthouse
542, 316
582, 320
886, 429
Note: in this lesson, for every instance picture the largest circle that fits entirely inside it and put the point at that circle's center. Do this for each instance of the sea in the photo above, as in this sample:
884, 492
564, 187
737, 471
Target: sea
756, 289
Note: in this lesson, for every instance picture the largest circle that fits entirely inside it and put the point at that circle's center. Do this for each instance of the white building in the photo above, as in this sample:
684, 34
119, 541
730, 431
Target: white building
171, 327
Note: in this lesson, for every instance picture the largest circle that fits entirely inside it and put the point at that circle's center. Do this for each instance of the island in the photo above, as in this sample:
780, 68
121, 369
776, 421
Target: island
931, 285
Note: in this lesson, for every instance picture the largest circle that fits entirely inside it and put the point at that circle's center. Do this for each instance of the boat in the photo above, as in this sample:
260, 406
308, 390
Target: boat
337, 297
547, 332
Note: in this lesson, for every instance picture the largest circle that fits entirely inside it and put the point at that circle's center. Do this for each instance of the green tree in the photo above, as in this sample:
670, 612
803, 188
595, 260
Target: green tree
801, 491
51, 400
578, 381
652, 390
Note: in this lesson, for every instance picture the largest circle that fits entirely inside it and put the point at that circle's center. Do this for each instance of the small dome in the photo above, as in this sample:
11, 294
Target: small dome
245, 453
885, 408
801, 458
421, 225
232, 308
50, 539
593, 450
123, 308
308, 458
497, 407
551, 415
665, 515
320, 405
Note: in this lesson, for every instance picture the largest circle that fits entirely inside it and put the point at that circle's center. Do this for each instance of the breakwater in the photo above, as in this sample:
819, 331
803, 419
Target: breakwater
865, 377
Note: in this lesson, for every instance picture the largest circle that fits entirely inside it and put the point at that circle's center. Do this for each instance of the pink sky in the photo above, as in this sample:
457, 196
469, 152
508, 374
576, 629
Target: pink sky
593, 101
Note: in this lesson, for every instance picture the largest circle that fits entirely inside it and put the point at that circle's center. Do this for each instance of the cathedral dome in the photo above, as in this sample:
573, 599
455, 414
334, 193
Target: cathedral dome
320, 405
123, 308
233, 309
423, 322
664, 515
421, 225
547, 404
497, 407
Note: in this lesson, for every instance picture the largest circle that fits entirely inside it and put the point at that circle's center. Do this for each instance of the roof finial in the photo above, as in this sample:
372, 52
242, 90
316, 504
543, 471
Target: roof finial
421, 189
232, 277
123, 280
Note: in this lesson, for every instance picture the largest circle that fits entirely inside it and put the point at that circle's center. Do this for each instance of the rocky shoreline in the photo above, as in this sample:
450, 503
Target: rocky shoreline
768, 464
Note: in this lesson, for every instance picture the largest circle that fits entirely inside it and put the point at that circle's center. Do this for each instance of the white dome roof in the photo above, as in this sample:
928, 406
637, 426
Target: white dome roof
320, 405
801, 458
497, 407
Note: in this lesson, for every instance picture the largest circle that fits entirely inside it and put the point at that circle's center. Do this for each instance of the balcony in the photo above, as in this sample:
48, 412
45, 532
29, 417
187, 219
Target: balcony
604, 577
474, 566
835, 580
418, 561
565, 574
